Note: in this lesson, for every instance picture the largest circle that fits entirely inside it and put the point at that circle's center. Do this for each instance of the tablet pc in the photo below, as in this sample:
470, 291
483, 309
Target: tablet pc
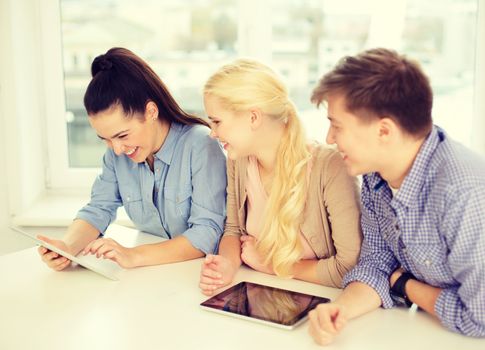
108, 269
263, 304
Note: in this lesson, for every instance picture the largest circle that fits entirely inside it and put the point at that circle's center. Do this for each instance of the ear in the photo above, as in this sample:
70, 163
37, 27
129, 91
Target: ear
255, 118
151, 111
387, 129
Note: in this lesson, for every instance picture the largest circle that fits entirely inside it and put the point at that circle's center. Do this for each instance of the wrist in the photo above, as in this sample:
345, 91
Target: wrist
395, 276
234, 261
136, 256
72, 249
398, 289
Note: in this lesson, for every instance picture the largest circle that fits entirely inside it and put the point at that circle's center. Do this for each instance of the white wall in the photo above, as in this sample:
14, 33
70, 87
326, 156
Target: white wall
5, 233
22, 171
4, 207
478, 136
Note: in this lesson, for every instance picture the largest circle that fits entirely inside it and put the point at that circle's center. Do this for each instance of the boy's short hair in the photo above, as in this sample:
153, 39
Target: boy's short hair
381, 83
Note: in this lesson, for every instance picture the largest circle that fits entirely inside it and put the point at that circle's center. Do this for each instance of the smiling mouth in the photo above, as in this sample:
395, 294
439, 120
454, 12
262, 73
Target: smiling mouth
132, 153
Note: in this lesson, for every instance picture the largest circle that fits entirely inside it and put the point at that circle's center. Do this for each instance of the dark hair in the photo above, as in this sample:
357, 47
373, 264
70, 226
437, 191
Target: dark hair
121, 77
381, 83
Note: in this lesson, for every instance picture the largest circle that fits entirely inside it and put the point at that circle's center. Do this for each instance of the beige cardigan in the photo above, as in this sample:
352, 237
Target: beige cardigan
331, 222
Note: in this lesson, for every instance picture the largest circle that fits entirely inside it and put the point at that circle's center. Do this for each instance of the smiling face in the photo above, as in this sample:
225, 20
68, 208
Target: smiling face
134, 136
357, 140
232, 129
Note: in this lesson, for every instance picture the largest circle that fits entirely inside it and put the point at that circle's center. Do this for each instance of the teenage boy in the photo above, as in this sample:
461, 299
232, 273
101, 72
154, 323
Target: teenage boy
423, 198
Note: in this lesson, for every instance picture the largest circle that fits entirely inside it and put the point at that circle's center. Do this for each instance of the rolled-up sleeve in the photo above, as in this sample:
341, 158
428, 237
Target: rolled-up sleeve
231, 227
208, 205
105, 197
376, 261
462, 308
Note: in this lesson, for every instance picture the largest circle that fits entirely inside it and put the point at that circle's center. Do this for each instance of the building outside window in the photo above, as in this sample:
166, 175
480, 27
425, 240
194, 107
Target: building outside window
185, 41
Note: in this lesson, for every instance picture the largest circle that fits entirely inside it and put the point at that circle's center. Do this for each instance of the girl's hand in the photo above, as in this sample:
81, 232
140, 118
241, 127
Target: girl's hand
251, 257
52, 259
108, 248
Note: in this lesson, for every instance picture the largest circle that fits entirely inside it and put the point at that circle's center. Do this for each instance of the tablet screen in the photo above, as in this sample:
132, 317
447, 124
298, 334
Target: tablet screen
264, 303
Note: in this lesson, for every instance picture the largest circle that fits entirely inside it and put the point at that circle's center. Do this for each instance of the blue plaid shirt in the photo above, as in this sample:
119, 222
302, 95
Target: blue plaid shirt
184, 195
434, 227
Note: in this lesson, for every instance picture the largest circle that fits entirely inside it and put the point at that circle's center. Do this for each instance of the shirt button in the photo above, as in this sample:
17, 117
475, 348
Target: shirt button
427, 262
128, 198
396, 226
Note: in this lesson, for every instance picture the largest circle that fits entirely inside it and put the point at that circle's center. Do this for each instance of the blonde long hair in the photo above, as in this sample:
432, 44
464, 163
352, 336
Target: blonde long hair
241, 86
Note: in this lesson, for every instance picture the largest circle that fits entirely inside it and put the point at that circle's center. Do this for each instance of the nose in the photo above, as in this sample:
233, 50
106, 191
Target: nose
330, 138
213, 133
117, 147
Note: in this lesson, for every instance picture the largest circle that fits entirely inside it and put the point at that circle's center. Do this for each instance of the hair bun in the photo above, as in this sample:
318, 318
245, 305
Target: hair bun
101, 63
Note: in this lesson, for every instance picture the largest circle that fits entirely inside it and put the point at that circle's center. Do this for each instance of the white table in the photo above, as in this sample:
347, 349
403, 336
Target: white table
157, 308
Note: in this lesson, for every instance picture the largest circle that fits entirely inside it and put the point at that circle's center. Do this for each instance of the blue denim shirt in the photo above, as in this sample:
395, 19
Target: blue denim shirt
184, 195
434, 227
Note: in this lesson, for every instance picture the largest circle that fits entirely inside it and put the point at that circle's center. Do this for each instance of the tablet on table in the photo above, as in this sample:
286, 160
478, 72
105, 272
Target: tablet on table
263, 304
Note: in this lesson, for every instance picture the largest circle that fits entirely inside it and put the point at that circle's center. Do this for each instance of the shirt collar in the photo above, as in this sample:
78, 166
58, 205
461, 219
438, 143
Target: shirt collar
165, 153
414, 181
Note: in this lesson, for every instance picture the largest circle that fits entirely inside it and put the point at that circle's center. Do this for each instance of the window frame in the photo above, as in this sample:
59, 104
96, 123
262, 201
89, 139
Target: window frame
59, 174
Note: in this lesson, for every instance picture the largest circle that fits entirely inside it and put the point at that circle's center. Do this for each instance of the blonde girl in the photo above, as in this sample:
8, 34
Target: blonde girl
292, 209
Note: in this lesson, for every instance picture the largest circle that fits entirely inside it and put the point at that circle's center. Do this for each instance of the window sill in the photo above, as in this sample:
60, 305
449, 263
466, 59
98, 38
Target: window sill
59, 209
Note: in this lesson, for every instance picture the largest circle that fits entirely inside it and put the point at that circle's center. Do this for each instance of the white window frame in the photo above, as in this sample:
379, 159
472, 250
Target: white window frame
478, 121
59, 174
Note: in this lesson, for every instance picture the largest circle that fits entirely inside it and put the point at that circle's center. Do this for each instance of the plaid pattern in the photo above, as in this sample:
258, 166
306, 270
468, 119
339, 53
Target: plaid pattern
434, 227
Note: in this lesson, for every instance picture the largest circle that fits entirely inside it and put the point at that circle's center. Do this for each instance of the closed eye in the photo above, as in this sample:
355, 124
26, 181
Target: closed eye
335, 127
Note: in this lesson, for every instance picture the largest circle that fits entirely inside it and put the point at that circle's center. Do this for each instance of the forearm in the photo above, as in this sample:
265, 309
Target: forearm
327, 271
447, 306
170, 251
79, 234
358, 299
423, 295
230, 248
418, 292
306, 270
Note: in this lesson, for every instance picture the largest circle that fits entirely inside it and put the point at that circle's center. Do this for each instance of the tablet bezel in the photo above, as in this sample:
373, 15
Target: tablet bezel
71, 257
301, 318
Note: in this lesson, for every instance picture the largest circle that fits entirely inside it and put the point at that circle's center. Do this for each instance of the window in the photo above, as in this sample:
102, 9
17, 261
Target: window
184, 41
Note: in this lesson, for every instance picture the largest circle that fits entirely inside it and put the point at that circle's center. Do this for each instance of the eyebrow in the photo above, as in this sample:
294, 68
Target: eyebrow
115, 135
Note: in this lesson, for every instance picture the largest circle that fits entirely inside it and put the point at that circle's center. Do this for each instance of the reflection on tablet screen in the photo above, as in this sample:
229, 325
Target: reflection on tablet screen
265, 303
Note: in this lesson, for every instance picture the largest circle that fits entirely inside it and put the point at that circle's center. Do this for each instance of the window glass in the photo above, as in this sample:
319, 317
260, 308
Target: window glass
184, 41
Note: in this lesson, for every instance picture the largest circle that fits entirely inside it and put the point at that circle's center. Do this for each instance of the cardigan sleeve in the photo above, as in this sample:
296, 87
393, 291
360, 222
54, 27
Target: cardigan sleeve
342, 206
231, 227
